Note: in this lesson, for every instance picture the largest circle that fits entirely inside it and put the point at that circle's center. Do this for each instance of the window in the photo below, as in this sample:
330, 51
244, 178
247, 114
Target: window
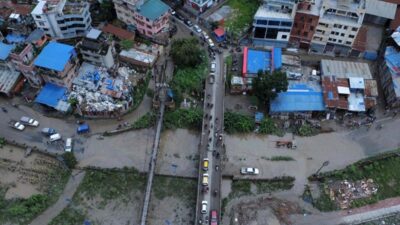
354, 29
45, 29
284, 36
148, 26
334, 40
345, 27
342, 34
286, 24
332, 32
38, 17
340, 26
295, 25
262, 22
340, 41
329, 39
311, 28
273, 23
348, 42
310, 20
305, 34
335, 25
147, 20
351, 36
336, 33
298, 32
41, 23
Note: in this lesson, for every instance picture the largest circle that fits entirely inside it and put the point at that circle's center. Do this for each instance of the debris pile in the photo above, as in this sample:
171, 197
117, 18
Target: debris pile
344, 192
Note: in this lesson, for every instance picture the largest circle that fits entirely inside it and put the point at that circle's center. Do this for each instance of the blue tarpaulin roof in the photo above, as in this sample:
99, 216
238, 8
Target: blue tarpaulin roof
153, 9
5, 50
259, 116
55, 56
12, 38
261, 60
51, 94
298, 98
277, 58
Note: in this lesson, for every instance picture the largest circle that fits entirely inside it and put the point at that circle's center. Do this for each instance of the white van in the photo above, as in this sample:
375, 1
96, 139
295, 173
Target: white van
204, 207
68, 145
55, 137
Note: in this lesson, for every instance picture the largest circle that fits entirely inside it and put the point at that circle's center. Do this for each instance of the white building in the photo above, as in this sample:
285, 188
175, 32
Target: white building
96, 50
339, 23
273, 22
62, 19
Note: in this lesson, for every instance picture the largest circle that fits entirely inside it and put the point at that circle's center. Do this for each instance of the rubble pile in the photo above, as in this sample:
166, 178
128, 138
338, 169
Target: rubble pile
344, 192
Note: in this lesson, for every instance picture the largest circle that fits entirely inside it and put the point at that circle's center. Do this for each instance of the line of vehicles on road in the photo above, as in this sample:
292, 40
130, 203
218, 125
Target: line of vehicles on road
49, 132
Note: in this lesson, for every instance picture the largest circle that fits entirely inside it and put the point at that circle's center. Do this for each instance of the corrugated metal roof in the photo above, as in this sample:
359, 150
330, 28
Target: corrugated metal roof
345, 69
380, 8
153, 9
54, 56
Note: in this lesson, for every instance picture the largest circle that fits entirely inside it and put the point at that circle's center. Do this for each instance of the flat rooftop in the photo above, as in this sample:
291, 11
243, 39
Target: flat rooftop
264, 12
345, 69
55, 56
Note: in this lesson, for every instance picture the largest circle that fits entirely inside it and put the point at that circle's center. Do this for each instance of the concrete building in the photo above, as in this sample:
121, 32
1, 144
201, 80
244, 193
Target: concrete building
10, 80
149, 17
62, 18
390, 77
57, 64
200, 5
96, 49
305, 23
22, 58
348, 85
339, 23
273, 22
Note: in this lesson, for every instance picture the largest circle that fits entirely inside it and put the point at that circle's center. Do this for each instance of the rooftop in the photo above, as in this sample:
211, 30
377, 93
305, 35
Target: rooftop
300, 97
345, 69
119, 32
392, 58
7, 7
138, 56
55, 56
53, 96
36, 35
264, 12
5, 50
335, 92
153, 9
266, 60
380, 8
93, 33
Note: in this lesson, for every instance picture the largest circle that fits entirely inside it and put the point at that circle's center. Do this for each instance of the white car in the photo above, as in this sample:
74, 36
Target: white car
205, 35
16, 125
204, 207
55, 137
197, 29
205, 179
213, 67
210, 42
29, 121
68, 145
249, 170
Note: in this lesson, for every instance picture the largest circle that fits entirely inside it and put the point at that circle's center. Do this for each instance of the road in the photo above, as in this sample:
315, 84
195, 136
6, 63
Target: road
210, 145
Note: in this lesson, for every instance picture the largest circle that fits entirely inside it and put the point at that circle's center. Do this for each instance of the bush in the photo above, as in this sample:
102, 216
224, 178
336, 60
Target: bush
70, 160
307, 130
68, 216
186, 52
146, 121
268, 126
281, 158
183, 118
150, 93
238, 123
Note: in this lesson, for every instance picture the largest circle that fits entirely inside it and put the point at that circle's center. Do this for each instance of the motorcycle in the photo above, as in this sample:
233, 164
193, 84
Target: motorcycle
216, 168
4, 109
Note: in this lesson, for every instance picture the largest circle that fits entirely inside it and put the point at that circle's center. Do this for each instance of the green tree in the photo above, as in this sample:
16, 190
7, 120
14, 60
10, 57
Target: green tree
107, 10
266, 86
126, 44
70, 159
186, 52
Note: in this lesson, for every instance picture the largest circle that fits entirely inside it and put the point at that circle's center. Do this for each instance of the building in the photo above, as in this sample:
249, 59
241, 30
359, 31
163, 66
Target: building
142, 55
57, 64
305, 23
390, 77
100, 95
255, 60
348, 86
300, 99
200, 5
273, 23
96, 49
17, 17
10, 80
149, 17
54, 97
62, 18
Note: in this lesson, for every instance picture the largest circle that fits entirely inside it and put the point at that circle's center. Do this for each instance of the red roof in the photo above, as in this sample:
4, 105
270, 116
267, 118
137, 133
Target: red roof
119, 32
219, 31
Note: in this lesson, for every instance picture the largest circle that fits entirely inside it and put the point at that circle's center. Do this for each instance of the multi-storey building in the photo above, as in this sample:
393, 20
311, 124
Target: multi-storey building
57, 64
96, 50
273, 22
305, 23
339, 23
200, 5
62, 18
148, 16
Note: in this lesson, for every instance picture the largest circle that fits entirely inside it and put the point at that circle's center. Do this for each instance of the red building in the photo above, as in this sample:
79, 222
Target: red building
306, 21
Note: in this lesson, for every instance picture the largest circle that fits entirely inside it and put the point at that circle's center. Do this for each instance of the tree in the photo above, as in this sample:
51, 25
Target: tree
126, 44
266, 86
186, 52
70, 160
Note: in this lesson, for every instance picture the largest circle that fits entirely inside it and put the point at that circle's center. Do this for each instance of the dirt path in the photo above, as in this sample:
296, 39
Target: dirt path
63, 201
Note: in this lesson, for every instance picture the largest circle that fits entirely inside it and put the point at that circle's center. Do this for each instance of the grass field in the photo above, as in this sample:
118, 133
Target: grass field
242, 16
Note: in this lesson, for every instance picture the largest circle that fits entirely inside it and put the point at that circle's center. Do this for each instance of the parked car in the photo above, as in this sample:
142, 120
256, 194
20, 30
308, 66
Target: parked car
83, 128
210, 43
48, 131
188, 23
55, 137
205, 179
68, 145
178, 16
16, 125
29, 121
214, 217
205, 164
211, 78
249, 170
205, 35
213, 67
204, 207
197, 28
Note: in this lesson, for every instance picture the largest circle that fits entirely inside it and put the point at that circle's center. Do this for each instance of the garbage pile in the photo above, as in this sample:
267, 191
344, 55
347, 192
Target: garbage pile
344, 192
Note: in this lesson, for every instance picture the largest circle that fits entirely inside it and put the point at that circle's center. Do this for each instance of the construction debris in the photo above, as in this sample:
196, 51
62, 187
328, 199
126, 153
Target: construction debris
345, 192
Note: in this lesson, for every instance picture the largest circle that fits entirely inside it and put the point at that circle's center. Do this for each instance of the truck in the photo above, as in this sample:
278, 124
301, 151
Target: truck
16, 125
288, 144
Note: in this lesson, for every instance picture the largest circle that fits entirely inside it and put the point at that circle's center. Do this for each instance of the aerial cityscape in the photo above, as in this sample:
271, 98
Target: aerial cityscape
200, 112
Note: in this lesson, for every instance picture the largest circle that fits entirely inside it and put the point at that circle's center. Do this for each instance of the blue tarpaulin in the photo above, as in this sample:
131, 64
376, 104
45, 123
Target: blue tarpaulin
12, 38
259, 116
262, 60
277, 58
5, 50
51, 94
55, 56
83, 128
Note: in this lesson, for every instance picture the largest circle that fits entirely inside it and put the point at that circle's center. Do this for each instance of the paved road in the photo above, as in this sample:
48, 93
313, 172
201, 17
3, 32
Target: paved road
63, 201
